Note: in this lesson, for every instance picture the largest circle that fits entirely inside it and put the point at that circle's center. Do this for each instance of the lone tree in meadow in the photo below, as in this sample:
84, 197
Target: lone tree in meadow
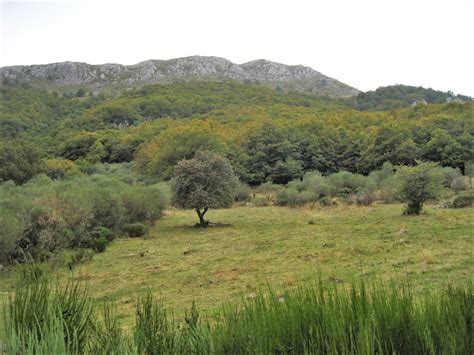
203, 182
418, 184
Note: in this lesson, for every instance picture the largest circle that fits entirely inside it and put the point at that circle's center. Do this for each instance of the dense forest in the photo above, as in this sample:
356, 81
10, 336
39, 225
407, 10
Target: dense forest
266, 134
398, 96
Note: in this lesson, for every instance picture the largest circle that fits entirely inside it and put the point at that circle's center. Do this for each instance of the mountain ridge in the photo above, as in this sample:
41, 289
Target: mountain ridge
102, 76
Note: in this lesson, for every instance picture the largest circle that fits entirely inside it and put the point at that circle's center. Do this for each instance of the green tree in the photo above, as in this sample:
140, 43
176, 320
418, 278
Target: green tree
267, 153
203, 182
78, 146
160, 156
287, 170
19, 161
443, 148
418, 184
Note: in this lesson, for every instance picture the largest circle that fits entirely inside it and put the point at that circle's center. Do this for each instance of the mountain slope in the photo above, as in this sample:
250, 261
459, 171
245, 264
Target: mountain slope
98, 77
398, 96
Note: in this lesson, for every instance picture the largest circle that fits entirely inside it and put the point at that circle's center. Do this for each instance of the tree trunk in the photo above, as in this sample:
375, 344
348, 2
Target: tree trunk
202, 221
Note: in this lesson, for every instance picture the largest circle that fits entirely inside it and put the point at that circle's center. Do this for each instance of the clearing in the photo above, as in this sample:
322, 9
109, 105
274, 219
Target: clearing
259, 246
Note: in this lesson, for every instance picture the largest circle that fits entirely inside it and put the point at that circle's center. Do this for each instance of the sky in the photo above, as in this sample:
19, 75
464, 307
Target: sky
363, 43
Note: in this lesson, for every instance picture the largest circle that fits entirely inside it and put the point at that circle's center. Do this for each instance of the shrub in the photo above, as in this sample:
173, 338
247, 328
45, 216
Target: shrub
345, 183
143, 203
380, 176
10, 231
463, 201
99, 245
44, 216
365, 197
107, 208
135, 230
292, 197
387, 191
418, 184
448, 174
260, 202
460, 183
58, 169
44, 232
282, 197
100, 232
316, 184
327, 201
269, 190
243, 192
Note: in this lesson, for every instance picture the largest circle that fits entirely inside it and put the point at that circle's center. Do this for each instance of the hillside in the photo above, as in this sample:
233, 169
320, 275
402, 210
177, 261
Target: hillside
69, 75
268, 135
398, 96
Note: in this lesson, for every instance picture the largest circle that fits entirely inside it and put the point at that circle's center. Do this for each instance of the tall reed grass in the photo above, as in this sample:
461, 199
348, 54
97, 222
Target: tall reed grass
365, 319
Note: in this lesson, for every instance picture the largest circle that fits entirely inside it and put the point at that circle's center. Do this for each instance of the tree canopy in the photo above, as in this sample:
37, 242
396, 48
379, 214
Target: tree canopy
205, 181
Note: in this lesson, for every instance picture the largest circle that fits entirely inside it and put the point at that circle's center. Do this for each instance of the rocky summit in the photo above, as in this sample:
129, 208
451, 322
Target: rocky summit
100, 77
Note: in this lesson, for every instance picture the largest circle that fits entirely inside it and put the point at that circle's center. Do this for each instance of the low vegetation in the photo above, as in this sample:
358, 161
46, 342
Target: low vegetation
374, 318
44, 216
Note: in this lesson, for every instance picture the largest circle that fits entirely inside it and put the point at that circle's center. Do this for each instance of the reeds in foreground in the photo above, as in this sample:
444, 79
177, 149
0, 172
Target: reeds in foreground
367, 319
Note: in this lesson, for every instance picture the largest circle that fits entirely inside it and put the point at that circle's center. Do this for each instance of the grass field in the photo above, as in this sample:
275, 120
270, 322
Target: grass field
251, 248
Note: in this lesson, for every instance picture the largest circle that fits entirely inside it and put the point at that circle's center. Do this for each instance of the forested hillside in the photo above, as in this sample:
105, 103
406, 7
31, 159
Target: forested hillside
267, 135
398, 96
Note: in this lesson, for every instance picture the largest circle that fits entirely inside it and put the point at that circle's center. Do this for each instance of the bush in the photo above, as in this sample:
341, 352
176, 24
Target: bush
243, 192
44, 232
10, 232
463, 201
144, 203
43, 216
58, 169
261, 201
107, 208
135, 230
100, 232
448, 174
99, 245
79, 256
460, 183
316, 184
365, 197
380, 176
292, 197
327, 201
345, 183
269, 191
418, 184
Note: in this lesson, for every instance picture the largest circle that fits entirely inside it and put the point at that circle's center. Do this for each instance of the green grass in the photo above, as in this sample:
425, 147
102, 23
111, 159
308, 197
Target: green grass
276, 246
370, 318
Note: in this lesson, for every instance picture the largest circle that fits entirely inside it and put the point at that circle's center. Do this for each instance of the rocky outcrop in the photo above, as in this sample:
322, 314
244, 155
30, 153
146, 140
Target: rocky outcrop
96, 77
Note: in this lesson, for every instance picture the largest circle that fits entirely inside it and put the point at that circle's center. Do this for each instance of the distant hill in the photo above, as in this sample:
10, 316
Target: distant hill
399, 96
74, 75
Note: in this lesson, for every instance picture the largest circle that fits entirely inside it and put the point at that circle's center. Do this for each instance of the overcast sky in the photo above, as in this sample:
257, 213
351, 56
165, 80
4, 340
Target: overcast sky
363, 43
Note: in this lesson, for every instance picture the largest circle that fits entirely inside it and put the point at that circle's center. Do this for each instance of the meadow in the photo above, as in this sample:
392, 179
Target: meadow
249, 249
